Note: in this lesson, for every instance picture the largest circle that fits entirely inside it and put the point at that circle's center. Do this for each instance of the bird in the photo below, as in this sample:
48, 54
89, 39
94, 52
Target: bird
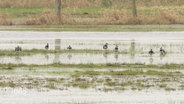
151, 52
69, 47
162, 51
116, 48
85, 13
105, 46
18, 49
47, 46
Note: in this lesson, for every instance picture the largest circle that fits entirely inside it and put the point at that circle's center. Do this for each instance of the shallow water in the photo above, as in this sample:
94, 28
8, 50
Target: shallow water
125, 45
72, 96
93, 35
136, 43
90, 58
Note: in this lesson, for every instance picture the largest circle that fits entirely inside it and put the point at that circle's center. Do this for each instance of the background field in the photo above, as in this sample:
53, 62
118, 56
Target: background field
91, 12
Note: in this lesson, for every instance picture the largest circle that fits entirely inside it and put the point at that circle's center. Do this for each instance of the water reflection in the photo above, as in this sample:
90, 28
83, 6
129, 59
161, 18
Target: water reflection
132, 51
105, 55
56, 58
101, 58
47, 57
18, 59
116, 55
151, 59
69, 56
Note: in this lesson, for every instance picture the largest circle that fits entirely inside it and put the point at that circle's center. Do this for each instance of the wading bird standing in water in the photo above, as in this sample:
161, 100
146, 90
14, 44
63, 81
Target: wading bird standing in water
116, 48
151, 52
105, 46
47, 46
162, 51
18, 49
69, 47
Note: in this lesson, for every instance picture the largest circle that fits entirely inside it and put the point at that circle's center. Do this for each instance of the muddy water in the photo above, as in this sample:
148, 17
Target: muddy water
76, 96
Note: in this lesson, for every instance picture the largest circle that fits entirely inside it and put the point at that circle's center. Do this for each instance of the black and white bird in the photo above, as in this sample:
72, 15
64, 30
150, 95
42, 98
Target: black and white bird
162, 51
69, 47
105, 46
47, 46
18, 49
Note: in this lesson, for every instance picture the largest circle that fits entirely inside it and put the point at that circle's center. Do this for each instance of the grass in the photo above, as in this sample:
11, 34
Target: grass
170, 89
21, 12
114, 80
104, 12
81, 11
163, 85
50, 86
128, 72
42, 51
88, 3
98, 66
98, 28
84, 85
8, 84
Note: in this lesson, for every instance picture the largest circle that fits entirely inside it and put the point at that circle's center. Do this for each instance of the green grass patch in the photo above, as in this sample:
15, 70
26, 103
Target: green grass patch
89, 10
42, 51
7, 84
170, 89
99, 66
140, 72
21, 12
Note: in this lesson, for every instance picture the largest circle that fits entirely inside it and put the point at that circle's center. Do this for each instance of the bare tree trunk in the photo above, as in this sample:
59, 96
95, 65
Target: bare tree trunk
134, 8
58, 9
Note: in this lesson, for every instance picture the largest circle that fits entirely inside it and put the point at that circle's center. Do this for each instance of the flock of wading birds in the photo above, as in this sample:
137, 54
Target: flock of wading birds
105, 46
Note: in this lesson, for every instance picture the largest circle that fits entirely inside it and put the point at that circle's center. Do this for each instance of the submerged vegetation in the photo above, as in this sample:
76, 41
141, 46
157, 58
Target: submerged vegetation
62, 78
102, 77
98, 66
112, 76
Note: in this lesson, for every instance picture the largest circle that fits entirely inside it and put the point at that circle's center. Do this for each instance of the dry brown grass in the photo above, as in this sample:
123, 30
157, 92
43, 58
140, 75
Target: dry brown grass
88, 3
5, 20
26, 3
119, 13
45, 18
118, 17
114, 17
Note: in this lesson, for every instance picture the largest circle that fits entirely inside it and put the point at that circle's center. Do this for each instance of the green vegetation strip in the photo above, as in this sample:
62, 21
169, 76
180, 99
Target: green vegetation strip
99, 28
98, 66
42, 51
127, 72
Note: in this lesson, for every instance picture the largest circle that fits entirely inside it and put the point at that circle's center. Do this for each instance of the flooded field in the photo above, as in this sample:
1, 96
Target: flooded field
89, 74
89, 97
136, 48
